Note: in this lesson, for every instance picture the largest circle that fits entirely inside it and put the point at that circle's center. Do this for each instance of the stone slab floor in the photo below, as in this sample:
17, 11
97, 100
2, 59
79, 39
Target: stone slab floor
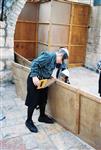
84, 79
15, 136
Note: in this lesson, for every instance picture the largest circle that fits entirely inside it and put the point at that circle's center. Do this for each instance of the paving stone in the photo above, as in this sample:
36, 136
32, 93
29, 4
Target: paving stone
68, 141
30, 144
52, 128
80, 77
8, 122
12, 144
14, 131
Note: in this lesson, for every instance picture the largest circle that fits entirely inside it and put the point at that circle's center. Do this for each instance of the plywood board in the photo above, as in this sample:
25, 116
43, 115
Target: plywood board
20, 74
81, 14
78, 35
64, 105
90, 120
59, 35
43, 30
60, 13
21, 60
77, 54
29, 12
42, 47
25, 31
26, 50
45, 12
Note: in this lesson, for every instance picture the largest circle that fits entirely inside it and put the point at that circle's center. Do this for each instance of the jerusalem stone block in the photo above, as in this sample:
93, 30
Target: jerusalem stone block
2, 41
7, 54
30, 144
9, 42
10, 31
90, 48
8, 64
13, 144
2, 25
98, 49
2, 65
2, 32
5, 76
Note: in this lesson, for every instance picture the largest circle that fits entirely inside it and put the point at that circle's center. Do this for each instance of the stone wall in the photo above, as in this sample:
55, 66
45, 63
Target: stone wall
7, 29
6, 55
93, 51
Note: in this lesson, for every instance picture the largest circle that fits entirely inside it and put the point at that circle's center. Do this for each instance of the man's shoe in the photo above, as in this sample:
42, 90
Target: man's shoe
30, 125
45, 119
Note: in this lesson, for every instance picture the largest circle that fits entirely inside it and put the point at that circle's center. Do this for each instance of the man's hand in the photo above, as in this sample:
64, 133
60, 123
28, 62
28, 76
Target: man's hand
36, 81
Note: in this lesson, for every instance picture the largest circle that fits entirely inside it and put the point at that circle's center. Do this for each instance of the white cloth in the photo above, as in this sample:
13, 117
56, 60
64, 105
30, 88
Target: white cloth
65, 72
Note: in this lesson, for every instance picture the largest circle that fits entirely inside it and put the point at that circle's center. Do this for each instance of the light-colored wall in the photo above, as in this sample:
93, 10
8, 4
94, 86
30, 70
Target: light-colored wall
93, 51
7, 29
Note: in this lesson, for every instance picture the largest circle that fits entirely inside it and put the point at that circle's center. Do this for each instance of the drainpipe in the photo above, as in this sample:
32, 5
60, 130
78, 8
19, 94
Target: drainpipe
2, 10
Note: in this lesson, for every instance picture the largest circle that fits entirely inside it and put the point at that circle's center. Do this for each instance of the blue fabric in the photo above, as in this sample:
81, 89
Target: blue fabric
99, 65
97, 2
43, 65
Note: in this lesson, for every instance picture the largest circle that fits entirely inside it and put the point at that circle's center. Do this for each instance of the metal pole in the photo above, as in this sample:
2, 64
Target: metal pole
2, 10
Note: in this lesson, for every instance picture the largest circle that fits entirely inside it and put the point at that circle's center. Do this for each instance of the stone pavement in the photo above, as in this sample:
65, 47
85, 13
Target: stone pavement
15, 136
84, 79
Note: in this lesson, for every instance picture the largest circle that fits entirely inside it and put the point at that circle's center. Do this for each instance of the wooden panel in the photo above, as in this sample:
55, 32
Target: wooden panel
26, 50
25, 31
20, 74
77, 54
53, 48
60, 13
64, 105
59, 35
90, 120
42, 47
29, 12
44, 12
21, 60
81, 14
78, 35
43, 33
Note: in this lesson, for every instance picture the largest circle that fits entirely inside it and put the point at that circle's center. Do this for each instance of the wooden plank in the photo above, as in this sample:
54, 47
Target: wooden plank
78, 35
21, 60
20, 74
43, 33
29, 12
75, 64
26, 21
42, 47
44, 12
63, 105
81, 14
25, 41
26, 50
63, 16
90, 119
77, 54
70, 29
59, 35
24, 31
